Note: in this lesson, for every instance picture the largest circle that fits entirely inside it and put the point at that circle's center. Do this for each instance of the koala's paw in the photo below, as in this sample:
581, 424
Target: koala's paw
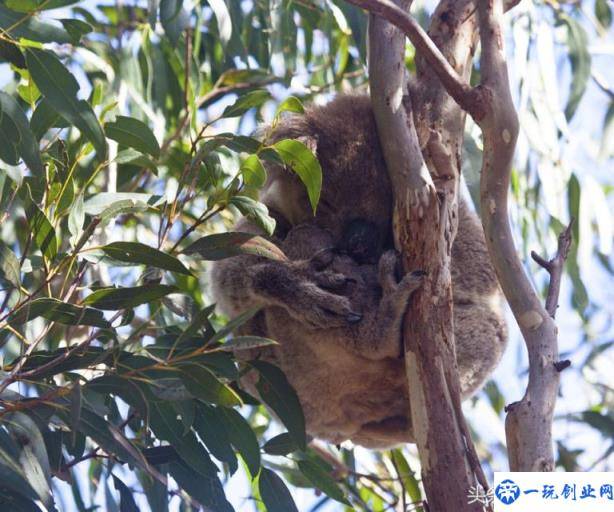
320, 309
387, 276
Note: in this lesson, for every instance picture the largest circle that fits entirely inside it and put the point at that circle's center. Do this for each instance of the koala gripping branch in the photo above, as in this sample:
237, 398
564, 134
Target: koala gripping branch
425, 221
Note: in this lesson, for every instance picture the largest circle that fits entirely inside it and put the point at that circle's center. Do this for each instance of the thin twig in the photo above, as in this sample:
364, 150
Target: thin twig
554, 267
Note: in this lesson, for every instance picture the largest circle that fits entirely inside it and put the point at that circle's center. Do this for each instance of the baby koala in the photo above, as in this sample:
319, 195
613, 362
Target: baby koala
377, 300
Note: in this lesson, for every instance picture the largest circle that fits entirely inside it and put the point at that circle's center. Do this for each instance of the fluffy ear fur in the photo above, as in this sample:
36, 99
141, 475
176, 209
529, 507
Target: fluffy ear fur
337, 321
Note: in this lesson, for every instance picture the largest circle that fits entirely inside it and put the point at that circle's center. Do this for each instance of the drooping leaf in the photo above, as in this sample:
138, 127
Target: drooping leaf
207, 491
58, 311
302, 161
27, 145
247, 101
406, 475
318, 475
13, 477
274, 492
290, 104
224, 245
135, 252
126, 503
255, 211
134, 134
174, 19
203, 384
10, 266
211, 430
277, 393
163, 421
242, 438
44, 234
224, 21
60, 88
247, 342
100, 203
32, 457
253, 171
127, 390
580, 58
281, 444
120, 298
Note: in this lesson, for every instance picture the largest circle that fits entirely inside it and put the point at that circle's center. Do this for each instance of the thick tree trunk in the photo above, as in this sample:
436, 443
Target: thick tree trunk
425, 222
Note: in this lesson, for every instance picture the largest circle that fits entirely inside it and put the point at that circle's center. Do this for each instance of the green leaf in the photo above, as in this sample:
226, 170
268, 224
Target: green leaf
253, 171
60, 88
44, 234
580, 59
242, 438
135, 252
279, 395
76, 28
11, 473
207, 491
255, 211
29, 27
45, 117
120, 298
124, 388
108, 437
322, 479
281, 444
274, 492
290, 104
223, 18
58, 311
603, 13
76, 218
33, 457
102, 203
247, 101
134, 134
203, 384
9, 265
126, 500
224, 245
211, 430
174, 19
37, 5
164, 423
246, 342
27, 145
302, 161
406, 475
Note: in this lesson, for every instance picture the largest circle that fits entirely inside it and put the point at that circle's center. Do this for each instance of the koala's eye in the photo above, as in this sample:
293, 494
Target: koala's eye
361, 241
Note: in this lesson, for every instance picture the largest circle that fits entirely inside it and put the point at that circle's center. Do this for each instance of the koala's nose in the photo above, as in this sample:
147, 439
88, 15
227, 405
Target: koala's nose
353, 318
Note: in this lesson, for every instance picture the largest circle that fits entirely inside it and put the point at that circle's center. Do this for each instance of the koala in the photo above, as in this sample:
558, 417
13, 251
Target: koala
335, 306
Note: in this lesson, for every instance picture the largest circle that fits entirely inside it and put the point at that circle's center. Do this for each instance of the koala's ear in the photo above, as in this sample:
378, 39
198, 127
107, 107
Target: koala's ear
310, 141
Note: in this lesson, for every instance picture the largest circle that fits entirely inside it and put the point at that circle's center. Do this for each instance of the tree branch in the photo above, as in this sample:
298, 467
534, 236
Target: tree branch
529, 422
555, 269
454, 84
424, 227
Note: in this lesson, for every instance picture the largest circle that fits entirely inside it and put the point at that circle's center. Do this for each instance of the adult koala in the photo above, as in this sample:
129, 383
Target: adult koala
350, 378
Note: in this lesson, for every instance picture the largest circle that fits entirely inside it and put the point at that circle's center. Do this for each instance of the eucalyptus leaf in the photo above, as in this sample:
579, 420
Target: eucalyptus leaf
60, 88
303, 162
135, 252
127, 297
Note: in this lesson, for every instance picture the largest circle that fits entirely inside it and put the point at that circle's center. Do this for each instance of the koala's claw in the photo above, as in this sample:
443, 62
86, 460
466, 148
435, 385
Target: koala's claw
354, 318
412, 281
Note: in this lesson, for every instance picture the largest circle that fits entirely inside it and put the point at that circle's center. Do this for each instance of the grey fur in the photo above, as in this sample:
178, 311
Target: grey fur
338, 322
